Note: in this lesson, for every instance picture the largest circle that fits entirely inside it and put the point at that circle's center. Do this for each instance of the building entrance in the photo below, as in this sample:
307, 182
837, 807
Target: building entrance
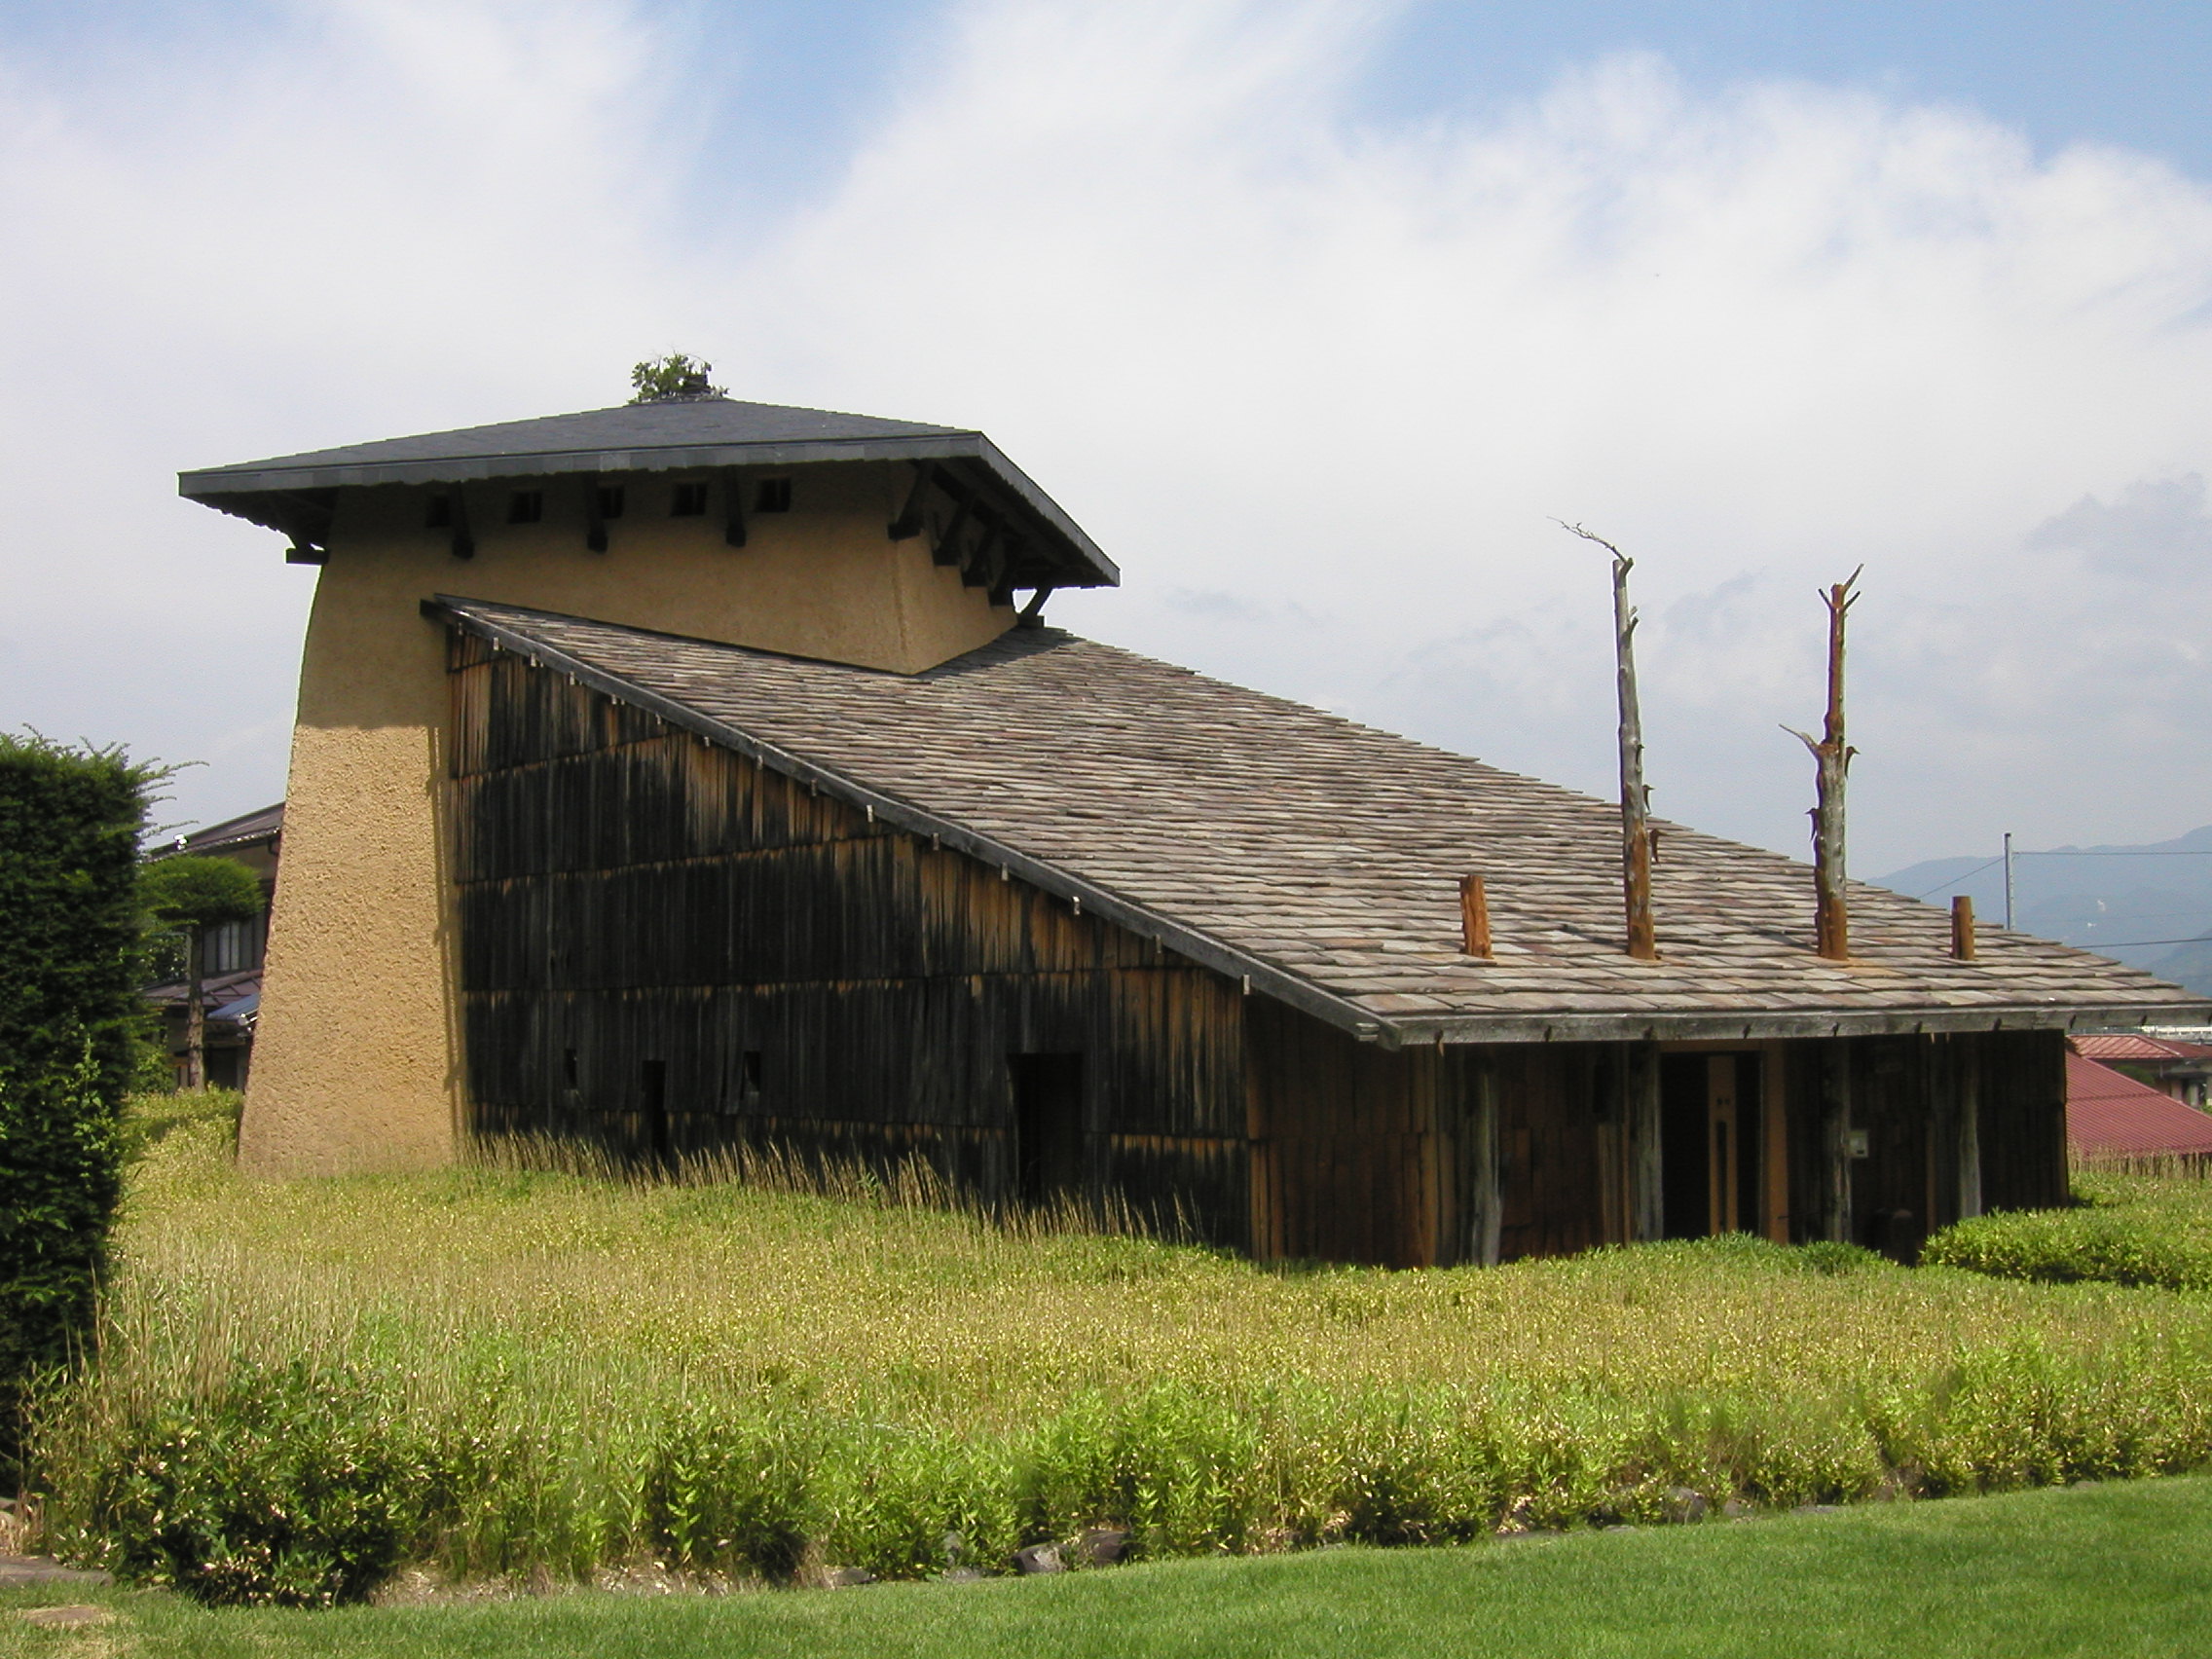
1710, 1126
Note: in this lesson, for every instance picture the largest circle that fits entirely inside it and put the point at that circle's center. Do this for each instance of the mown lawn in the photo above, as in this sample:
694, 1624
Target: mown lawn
2113, 1570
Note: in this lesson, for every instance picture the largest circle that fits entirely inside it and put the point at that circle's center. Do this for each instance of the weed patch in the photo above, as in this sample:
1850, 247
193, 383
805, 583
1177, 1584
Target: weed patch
508, 1373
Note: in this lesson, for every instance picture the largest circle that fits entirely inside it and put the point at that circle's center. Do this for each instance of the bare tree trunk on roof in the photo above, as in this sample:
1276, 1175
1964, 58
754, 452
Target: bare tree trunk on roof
1832, 762
1636, 796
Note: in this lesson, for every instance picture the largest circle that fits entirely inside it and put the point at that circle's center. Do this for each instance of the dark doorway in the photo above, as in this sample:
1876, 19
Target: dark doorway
1048, 1125
657, 1108
1708, 1145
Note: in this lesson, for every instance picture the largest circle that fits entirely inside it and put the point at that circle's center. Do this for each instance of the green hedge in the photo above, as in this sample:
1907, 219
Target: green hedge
70, 821
2124, 1230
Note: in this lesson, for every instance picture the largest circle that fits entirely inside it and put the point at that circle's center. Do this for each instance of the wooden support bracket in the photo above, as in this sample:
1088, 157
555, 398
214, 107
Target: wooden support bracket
947, 549
594, 520
463, 539
977, 565
733, 505
909, 523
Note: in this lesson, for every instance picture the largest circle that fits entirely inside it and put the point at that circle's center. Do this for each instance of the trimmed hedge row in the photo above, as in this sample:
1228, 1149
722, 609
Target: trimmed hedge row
70, 821
2101, 1242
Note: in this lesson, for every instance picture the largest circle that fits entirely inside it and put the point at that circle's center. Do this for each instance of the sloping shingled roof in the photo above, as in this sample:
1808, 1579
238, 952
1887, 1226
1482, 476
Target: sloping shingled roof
2111, 1114
1321, 859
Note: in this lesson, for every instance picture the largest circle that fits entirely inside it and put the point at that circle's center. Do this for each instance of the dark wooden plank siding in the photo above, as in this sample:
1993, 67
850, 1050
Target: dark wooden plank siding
2023, 1119
666, 949
1558, 1161
1346, 1158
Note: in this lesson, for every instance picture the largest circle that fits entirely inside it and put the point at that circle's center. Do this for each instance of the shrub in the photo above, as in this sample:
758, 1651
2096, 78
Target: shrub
732, 1497
69, 826
286, 1487
2131, 1231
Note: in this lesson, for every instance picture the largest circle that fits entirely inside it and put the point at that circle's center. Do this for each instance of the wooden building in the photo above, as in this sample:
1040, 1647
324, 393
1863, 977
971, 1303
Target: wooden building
1056, 917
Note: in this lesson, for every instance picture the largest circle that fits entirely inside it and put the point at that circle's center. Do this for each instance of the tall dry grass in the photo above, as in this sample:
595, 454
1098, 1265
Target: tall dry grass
758, 1368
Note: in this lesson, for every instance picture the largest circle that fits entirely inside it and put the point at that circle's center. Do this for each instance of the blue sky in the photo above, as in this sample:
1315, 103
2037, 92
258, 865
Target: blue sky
1313, 311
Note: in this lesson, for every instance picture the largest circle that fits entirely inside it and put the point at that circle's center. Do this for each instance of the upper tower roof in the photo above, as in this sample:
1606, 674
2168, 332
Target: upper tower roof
296, 493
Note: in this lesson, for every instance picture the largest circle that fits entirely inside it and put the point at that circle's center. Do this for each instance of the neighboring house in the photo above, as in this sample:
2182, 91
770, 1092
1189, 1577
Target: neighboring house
2182, 1070
684, 775
230, 955
2110, 1116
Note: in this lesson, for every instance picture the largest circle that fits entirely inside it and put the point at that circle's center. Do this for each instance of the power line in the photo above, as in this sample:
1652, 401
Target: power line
1956, 879
2135, 943
2112, 853
2061, 853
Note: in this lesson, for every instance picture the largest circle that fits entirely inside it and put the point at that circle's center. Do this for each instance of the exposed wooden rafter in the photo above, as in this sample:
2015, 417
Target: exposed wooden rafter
733, 508
595, 519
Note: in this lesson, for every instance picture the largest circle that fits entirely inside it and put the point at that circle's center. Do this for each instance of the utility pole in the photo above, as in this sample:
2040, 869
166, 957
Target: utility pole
1636, 796
2007, 881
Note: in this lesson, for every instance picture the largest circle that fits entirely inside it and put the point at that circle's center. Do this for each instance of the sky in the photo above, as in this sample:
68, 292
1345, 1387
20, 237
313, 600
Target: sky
1316, 313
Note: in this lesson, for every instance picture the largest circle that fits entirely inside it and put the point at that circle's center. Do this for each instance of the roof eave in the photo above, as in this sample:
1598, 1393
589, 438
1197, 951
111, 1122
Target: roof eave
1455, 1030
243, 491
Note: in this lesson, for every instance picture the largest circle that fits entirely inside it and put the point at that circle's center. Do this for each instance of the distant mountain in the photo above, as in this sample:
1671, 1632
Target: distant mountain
2135, 904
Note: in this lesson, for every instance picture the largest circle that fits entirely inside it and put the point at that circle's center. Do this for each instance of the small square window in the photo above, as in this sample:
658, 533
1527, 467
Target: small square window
688, 501
525, 506
773, 497
611, 500
438, 513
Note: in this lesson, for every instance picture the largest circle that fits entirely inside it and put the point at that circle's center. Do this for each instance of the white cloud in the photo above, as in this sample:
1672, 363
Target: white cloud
1318, 386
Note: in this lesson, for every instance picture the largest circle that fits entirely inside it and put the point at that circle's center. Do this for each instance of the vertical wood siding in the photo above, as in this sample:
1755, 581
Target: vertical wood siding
667, 948
643, 914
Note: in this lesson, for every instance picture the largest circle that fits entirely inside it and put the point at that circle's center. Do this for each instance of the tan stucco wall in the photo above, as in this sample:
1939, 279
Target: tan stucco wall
357, 1061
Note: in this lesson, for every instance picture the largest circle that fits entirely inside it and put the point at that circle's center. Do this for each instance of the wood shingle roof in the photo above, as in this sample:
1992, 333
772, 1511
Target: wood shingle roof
1320, 859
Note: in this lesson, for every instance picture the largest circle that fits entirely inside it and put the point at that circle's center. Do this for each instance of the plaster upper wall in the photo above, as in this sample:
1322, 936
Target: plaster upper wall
822, 580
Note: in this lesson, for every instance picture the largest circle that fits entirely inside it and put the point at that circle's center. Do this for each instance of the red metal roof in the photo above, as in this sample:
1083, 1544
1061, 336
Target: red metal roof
2136, 1046
2107, 1114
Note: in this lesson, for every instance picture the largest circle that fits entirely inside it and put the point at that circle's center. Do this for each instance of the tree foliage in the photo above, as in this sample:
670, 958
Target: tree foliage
70, 821
676, 375
186, 890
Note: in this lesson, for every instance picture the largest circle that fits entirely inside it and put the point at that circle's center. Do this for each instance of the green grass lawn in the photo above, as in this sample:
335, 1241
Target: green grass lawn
2116, 1570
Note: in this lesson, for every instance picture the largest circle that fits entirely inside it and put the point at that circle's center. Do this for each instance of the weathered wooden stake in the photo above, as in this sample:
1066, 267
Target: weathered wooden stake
1474, 917
1832, 761
1962, 928
1636, 796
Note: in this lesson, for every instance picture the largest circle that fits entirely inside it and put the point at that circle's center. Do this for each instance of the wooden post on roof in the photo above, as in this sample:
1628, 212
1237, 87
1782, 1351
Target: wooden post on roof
1474, 918
1962, 927
1636, 796
1832, 761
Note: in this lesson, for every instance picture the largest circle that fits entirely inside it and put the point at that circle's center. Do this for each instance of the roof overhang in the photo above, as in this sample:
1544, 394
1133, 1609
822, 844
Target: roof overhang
296, 496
